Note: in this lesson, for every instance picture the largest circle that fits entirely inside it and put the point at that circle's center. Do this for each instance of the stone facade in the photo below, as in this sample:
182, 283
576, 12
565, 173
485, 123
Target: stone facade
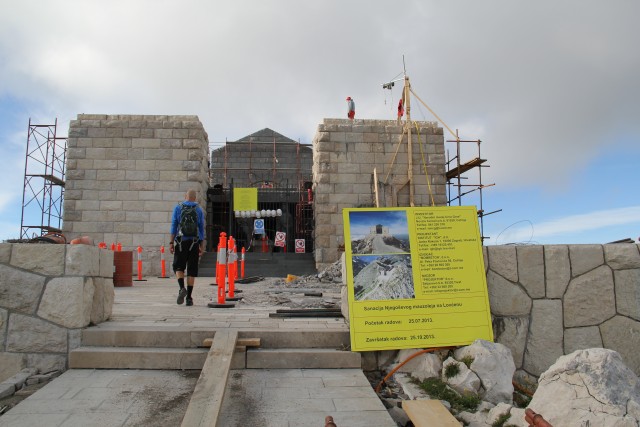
345, 154
548, 301
125, 174
48, 293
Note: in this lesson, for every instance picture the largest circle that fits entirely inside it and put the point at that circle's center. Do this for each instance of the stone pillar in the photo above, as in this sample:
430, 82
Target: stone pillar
345, 154
125, 173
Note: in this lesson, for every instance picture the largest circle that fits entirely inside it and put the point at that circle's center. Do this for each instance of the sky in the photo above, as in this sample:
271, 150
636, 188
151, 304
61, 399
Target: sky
550, 88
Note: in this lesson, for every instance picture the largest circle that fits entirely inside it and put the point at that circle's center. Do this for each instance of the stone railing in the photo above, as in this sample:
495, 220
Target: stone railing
48, 293
548, 301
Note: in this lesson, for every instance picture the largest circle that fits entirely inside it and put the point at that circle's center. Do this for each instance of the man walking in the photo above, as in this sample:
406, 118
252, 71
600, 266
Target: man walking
187, 243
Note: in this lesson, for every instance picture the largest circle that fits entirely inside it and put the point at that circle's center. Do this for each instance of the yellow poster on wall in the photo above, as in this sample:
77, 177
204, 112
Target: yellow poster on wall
245, 199
416, 278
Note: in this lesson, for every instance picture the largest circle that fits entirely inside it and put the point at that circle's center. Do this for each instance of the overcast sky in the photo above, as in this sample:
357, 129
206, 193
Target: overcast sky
551, 88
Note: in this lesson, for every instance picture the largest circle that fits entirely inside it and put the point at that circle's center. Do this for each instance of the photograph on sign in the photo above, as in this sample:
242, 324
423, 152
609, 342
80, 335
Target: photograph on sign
300, 245
382, 277
415, 278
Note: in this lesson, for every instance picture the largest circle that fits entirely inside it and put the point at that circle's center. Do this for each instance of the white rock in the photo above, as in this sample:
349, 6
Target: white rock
426, 365
497, 411
493, 364
588, 386
466, 382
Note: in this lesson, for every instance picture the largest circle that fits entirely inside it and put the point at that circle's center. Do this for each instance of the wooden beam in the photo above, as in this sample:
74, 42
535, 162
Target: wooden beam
206, 400
429, 413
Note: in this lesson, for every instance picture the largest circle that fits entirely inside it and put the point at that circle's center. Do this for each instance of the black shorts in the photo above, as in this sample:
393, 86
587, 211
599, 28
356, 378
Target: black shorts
186, 255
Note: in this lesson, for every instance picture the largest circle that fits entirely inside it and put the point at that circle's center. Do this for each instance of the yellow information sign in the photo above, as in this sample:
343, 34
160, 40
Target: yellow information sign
416, 278
245, 199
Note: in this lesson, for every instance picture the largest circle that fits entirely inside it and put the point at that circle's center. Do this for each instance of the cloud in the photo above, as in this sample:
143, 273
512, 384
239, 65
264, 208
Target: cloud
524, 231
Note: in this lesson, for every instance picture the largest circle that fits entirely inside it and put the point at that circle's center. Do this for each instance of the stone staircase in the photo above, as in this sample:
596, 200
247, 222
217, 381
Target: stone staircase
171, 348
269, 264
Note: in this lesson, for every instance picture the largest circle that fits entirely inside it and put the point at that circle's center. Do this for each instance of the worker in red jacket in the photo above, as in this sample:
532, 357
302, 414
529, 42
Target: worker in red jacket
351, 108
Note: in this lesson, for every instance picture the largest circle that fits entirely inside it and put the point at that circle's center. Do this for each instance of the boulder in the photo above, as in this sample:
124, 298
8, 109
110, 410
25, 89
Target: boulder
465, 382
493, 364
588, 387
426, 365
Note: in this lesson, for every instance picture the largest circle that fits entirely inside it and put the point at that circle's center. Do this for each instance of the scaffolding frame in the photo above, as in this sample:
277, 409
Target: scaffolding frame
457, 174
44, 172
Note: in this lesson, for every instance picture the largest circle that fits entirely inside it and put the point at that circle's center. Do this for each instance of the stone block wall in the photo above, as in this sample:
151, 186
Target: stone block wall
48, 293
345, 154
547, 301
125, 174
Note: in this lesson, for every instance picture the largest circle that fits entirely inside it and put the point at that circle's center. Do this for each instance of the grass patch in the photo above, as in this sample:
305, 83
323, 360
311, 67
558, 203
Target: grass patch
451, 370
467, 360
437, 389
501, 420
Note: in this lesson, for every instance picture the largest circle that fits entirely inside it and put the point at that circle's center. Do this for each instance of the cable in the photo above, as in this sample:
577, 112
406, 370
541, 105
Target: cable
518, 222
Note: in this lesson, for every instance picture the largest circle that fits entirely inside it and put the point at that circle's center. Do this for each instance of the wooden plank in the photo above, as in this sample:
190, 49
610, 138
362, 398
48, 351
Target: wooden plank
206, 400
246, 342
429, 413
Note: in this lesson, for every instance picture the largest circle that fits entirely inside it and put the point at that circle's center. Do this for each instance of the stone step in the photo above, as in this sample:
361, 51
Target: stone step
174, 337
137, 358
194, 358
302, 358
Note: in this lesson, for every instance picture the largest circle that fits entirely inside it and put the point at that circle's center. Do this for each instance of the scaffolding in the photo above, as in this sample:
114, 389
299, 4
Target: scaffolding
44, 172
459, 176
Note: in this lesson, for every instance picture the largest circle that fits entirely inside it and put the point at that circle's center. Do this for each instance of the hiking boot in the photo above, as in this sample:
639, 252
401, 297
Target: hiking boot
181, 294
189, 301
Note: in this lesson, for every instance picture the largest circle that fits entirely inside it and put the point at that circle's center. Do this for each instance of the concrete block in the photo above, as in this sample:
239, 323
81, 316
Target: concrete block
110, 175
20, 290
628, 292
30, 335
590, 299
82, 260
622, 256
558, 269
43, 259
5, 252
585, 258
67, 301
10, 364
143, 185
7, 389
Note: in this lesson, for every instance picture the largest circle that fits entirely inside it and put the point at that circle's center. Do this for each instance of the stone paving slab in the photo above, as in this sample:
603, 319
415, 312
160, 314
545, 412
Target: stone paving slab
118, 398
301, 397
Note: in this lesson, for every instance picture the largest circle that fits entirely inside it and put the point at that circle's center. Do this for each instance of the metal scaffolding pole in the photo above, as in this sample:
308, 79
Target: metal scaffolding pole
44, 172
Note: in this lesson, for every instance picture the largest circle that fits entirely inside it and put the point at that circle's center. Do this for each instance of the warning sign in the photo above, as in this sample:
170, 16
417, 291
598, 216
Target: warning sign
280, 239
300, 246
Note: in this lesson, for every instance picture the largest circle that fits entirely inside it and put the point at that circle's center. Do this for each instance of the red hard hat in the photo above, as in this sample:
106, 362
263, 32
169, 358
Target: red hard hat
348, 98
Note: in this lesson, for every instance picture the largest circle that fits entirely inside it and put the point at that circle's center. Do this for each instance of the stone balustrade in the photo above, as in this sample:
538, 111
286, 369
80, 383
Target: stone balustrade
48, 293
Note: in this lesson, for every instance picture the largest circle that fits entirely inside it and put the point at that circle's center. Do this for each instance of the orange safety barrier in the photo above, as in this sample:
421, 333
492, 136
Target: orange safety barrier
119, 247
102, 245
232, 266
265, 246
242, 264
163, 264
140, 279
113, 246
221, 266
